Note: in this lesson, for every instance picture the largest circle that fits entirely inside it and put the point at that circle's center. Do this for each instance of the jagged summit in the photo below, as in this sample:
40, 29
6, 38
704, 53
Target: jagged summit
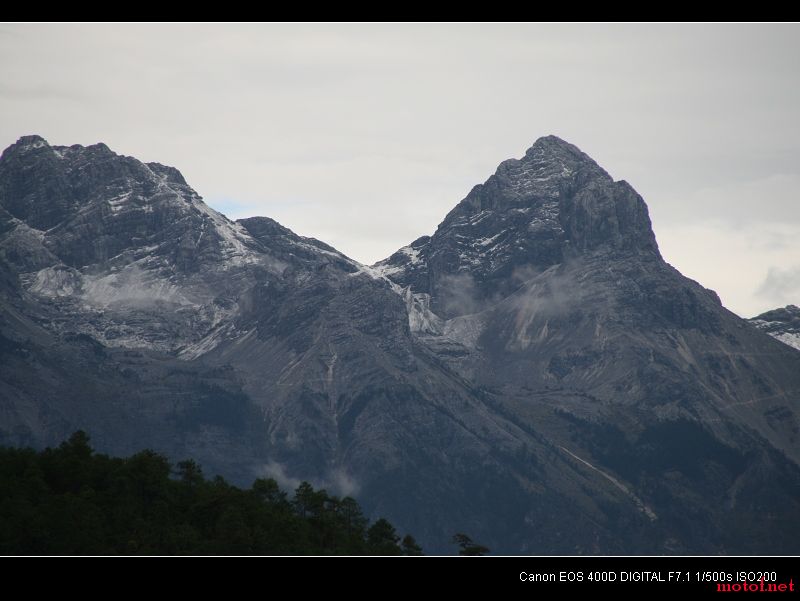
548, 168
25, 144
84, 226
29, 140
35, 141
553, 141
553, 204
552, 148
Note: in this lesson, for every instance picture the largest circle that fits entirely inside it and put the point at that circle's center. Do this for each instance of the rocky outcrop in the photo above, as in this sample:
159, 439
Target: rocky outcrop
551, 206
782, 324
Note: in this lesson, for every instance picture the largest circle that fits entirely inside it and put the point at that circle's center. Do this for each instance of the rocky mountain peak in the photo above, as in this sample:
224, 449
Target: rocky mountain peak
88, 203
553, 204
35, 148
548, 169
113, 241
110, 239
553, 149
27, 149
28, 143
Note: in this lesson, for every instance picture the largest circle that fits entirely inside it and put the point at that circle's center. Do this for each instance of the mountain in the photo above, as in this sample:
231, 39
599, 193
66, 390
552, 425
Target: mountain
782, 324
533, 373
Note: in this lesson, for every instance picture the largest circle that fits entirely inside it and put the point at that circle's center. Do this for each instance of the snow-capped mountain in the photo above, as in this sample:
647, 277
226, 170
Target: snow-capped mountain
128, 249
532, 373
782, 324
548, 207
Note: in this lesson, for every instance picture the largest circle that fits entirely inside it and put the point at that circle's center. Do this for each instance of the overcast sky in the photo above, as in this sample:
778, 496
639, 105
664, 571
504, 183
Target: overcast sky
366, 135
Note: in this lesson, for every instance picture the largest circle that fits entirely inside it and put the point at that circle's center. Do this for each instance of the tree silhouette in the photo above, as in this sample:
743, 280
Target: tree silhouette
190, 473
468, 547
410, 546
382, 538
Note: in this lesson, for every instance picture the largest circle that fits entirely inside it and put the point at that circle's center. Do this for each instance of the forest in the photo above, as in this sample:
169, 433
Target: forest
71, 500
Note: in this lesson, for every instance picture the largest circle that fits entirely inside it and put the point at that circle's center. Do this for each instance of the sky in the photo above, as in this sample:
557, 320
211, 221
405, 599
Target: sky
366, 135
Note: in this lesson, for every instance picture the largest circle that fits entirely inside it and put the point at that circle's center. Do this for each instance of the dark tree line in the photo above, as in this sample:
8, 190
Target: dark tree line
73, 501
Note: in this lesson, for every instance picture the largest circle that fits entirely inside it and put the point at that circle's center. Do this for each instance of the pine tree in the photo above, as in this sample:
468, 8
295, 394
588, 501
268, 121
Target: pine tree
410, 546
467, 546
382, 538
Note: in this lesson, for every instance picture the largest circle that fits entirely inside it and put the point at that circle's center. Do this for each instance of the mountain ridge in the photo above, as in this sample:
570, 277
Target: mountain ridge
533, 372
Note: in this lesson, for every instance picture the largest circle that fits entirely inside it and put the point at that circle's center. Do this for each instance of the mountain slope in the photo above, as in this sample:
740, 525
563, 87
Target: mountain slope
533, 373
545, 287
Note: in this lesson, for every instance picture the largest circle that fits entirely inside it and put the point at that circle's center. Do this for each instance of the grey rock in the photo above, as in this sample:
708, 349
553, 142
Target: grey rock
782, 324
533, 373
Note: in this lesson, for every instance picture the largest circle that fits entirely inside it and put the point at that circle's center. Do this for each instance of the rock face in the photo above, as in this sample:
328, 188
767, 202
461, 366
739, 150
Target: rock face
533, 373
553, 205
782, 324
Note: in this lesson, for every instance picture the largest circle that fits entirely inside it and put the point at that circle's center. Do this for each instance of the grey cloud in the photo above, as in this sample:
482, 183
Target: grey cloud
781, 285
